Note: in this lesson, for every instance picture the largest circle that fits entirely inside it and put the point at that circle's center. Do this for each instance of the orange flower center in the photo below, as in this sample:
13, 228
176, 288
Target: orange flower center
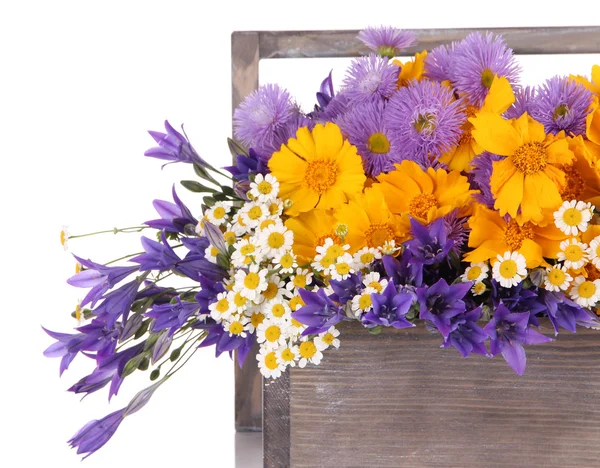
333, 236
592, 272
574, 184
378, 234
320, 175
378, 143
425, 123
419, 206
530, 157
514, 235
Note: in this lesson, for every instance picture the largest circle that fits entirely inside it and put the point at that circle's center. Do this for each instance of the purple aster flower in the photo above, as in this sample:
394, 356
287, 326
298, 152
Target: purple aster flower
565, 313
524, 98
261, 114
319, 313
424, 121
508, 332
480, 177
457, 230
387, 41
438, 62
174, 217
562, 104
390, 308
282, 134
337, 107
430, 244
370, 79
247, 165
403, 271
475, 62
467, 337
441, 303
365, 128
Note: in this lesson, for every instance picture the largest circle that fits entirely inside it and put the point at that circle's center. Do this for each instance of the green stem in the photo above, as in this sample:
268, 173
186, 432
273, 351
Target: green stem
124, 257
126, 230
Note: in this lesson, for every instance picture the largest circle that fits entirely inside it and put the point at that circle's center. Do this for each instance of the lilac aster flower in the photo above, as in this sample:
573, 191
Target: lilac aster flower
475, 62
387, 41
365, 128
565, 313
438, 62
430, 244
524, 98
390, 308
562, 104
457, 230
371, 78
480, 177
424, 121
467, 337
319, 313
282, 134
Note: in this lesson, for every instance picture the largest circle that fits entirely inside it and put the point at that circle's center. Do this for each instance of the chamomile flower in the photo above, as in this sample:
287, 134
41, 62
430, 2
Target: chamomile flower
256, 318
296, 302
365, 256
64, 237
584, 292
295, 328
247, 252
220, 309
288, 354
309, 353
594, 252
476, 272
275, 289
275, 207
478, 289
230, 236
327, 254
278, 311
342, 268
327, 339
362, 302
573, 217
217, 214
286, 262
269, 364
264, 188
373, 280
557, 278
199, 229
276, 240
251, 283
573, 253
389, 247
301, 279
210, 253
236, 325
239, 303
271, 334
510, 269
238, 226
253, 213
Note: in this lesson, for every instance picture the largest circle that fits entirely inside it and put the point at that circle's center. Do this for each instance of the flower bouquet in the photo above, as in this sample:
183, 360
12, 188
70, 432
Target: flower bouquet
436, 192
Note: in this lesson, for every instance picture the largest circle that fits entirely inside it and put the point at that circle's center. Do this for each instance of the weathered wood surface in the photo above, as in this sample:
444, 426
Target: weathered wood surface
398, 400
276, 422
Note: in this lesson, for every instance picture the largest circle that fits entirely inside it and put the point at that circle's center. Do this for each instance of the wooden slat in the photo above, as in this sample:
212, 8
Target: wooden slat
556, 40
398, 400
276, 422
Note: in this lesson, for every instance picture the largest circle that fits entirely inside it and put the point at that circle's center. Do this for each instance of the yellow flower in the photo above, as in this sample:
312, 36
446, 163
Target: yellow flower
317, 169
426, 196
583, 177
491, 235
593, 118
499, 98
411, 70
526, 183
310, 230
369, 221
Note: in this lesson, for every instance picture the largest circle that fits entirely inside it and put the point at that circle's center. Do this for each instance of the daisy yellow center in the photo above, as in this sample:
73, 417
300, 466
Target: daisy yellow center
514, 235
239, 300
254, 213
508, 269
78, 267
236, 328
214, 251
296, 302
365, 301
286, 261
63, 238
479, 288
272, 333
296, 324
222, 306
78, 312
561, 111
276, 240
240, 221
342, 268
334, 251
487, 78
219, 212
327, 261
264, 187
278, 310
420, 205
597, 251
530, 158
271, 361
273, 208
320, 175
300, 281
376, 286
328, 338
247, 249
256, 319
574, 253
378, 234
229, 237
556, 277
474, 273
271, 290
378, 143
307, 349
266, 223
287, 355
367, 257
574, 184
572, 217
586, 289
251, 281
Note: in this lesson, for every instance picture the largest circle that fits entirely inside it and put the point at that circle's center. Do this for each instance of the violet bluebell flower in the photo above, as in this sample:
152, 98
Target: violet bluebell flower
565, 313
319, 313
174, 217
438, 62
95, 434
424, 121
480, 177
337, 107
326, 92
441, 303
209, 290
524, 98
117, 303
172, 316
387, 41
430, 244
403, 271
467, 337
345, 290
475, 62
370, 79
519, 299
562, 103
390, 308
245, 166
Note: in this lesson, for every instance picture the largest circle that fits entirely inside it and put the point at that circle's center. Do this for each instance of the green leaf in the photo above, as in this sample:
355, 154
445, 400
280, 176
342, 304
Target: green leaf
132, 365
235, 148
142, 330
196, 187
142, 305
222, 261
375, 330
151, 341
203, 174
220, 196
228, 191
209, 201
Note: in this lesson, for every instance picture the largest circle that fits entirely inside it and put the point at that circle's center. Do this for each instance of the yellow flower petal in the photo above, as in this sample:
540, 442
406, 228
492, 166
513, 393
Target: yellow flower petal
509, 196
495, 134
500, 96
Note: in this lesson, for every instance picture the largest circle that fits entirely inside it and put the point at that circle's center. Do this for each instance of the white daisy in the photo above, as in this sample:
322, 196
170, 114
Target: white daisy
256, 318
236, 325
389, 247
330, 249
253, 213
239, 303
210, 253
275, 207
200, 226
264, 188
221, 309
247, 252
510, 269
272, 334
296, 302
573, 253
301, 279
478, 289
557, 278
573, 217
584, 292
372, 280
362, 302
275, 289
476, 272
251, 283
278, 311
217, 214
594, 252
269, 364
288, 354
286, 262
64, 237
239, 226
365, 256
229, 235
342, 268
327, 339
295, 328
308, 353
276, 240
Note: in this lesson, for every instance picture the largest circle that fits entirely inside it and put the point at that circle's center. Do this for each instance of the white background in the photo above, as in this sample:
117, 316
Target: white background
80, 83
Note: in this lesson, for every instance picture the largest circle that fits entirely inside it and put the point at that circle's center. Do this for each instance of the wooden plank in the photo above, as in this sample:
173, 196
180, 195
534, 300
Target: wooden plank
248, 381
398, 400
276, 422
555, 40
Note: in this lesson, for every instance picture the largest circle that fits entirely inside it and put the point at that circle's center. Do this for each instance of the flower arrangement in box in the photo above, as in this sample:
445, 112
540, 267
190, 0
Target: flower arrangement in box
437, 192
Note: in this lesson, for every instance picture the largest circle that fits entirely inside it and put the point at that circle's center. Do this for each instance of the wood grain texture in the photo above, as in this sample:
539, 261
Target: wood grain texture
248, 381
398, 400
276, 422
555, 40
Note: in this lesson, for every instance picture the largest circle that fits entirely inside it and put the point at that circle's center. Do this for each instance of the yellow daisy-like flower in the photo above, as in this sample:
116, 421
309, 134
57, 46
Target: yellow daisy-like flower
310, 230
583, 176
370, 222
593, 118
491, 235
411, 70
317, 169
526, 183
426, 196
